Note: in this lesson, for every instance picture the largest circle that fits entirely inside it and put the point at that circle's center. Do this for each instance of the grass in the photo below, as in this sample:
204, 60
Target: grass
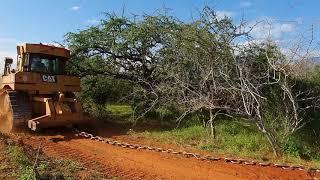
119, 110
25, 167
58, 168
47, 168
120, 113
233, 138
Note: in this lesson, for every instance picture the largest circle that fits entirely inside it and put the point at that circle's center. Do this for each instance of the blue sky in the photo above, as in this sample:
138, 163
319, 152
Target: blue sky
48, 21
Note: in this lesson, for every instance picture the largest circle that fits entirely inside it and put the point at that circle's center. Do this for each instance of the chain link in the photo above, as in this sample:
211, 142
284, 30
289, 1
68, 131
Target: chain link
192, 155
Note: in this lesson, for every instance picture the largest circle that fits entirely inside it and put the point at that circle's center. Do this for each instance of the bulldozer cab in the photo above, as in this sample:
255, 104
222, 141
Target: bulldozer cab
40, 68
38, 58
41, 58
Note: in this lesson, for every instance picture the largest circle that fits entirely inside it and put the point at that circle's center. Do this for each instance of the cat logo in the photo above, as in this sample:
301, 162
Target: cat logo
48, 78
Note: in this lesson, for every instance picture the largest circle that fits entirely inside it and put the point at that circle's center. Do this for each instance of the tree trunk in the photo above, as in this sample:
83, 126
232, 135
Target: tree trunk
212, 125
272, 143
269, 137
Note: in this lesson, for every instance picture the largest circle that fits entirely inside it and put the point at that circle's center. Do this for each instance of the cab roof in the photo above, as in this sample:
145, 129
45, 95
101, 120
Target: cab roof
43, 49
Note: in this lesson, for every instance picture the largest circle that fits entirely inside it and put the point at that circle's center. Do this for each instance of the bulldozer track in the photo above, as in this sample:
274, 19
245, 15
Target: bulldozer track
15, 109
21, 109
192, 155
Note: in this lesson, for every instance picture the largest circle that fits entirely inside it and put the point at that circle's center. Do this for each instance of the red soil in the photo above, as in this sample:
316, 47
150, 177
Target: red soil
142, 164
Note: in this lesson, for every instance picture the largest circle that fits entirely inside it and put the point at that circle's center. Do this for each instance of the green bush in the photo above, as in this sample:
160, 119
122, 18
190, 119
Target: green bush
101, 89
292, 148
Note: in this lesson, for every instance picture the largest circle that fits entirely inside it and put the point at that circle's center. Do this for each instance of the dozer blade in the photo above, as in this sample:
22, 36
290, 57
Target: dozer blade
14, 110
57, 113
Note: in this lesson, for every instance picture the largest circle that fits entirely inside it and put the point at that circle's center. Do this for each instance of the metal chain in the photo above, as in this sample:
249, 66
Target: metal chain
192, 155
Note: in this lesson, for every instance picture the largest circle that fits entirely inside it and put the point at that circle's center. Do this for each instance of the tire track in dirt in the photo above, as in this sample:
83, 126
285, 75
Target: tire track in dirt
140, 164
55, 149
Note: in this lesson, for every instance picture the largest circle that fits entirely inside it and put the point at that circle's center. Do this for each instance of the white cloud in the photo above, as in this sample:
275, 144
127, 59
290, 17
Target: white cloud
288, 35
246, 4
93, 21
286, 27
222, 14
269, 28
75, 8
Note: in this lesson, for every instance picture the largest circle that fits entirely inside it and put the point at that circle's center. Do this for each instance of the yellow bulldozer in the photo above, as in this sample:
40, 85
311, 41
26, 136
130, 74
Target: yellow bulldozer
38, 94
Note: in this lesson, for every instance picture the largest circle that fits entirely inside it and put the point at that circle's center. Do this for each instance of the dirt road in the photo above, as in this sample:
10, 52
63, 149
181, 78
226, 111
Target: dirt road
142, 164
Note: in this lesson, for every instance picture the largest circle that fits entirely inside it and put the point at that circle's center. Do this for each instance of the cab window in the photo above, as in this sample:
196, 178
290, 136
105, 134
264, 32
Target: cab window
47, 64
